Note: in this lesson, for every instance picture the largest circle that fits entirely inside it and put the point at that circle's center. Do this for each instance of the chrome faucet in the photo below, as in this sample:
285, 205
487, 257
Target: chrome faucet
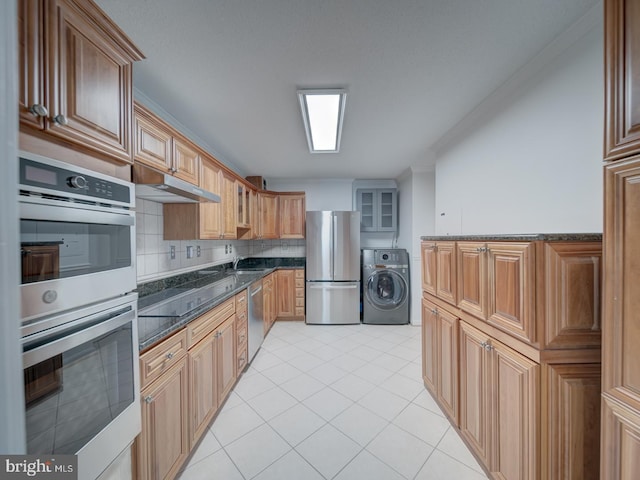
235, 261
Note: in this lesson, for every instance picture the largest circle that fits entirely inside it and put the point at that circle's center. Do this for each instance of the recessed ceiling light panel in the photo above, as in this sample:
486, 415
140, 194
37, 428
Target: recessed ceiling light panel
322, 114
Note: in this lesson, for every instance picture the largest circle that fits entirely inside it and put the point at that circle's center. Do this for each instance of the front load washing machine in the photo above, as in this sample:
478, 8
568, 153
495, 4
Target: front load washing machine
385, 286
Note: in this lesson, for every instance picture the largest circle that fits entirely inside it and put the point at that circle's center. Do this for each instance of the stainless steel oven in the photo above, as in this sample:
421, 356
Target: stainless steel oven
79, 313
81, 382
77, 233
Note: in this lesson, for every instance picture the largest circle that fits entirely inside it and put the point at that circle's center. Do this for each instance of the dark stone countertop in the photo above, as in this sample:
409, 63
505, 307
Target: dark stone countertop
548, 237
162, 302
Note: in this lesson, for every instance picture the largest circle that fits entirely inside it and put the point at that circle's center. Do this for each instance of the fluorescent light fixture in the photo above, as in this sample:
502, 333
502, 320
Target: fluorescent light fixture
322, 114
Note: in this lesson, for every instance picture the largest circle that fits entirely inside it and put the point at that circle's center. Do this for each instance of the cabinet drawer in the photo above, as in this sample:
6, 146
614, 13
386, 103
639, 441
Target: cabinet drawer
205, 324
242, 337
241, 316
300, 292
299, 273
299, 302
299, 311
299, 282
241, 301
161, 357
242, 360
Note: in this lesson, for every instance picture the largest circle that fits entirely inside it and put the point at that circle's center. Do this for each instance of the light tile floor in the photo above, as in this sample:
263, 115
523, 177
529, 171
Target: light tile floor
342, 402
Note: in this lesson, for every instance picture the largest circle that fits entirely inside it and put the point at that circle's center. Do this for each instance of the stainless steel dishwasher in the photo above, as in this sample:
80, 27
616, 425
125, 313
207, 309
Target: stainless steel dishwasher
256, 319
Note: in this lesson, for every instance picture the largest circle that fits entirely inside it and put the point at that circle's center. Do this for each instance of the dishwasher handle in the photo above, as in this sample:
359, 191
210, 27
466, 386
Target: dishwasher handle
256, 291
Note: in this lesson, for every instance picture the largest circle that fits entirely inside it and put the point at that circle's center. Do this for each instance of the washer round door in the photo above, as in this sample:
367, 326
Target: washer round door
386, 289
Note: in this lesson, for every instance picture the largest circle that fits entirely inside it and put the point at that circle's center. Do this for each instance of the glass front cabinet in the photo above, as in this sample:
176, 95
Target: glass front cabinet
378, 209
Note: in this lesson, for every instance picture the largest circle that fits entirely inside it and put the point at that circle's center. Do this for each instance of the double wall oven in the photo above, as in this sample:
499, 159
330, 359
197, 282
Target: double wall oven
79, 327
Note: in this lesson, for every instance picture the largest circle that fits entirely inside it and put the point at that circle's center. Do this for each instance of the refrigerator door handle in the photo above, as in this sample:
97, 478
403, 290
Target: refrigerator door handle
334, 287
334, 243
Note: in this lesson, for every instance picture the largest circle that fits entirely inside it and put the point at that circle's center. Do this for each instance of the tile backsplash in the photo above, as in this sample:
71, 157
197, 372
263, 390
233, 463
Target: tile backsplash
154, 253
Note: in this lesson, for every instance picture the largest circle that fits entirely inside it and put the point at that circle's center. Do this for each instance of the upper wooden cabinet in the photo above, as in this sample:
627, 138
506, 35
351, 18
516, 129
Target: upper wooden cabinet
76, 76
622, 78
228, 202
161, 147
267, 215
291, 215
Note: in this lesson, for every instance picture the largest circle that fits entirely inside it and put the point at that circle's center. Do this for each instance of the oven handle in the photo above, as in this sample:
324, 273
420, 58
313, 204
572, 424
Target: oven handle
41, 352
31, 211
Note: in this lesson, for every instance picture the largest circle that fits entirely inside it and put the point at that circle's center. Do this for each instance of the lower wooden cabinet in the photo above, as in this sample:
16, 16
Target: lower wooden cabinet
185, 379
290, 294
440, 354
163, 444
499, 405
269, 308
526, 420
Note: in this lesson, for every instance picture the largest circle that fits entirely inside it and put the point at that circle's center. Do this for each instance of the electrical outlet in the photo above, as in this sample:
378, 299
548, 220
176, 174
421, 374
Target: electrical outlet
172, 252
226, 248
189, 251
231, 248
284, 246
198, 251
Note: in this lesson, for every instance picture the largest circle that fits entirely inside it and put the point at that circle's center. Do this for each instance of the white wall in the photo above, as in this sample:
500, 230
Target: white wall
534, 164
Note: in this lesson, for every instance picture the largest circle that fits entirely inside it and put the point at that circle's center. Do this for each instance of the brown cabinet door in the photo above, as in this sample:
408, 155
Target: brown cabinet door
475, 388
472, 278
446, 271
620, 441
516, 413
429, 267
511, 286
448, 357
227, 361
31, 102
268, 215
203, 385
572, 290
210, 212
622, 78
186, 161
571, 432
429, 346
153, 142
228, 204
291, 215
621, 322
163, 443
89, 81
286, 289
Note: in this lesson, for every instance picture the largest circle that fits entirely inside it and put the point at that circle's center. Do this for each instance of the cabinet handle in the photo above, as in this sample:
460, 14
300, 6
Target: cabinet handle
39, 110
487, 346
148, 399
60, 120
434, 311
242, 338
169, 355
217, 335
482, 249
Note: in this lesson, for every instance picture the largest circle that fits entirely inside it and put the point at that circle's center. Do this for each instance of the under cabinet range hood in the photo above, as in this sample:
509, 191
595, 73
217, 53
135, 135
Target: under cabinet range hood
163, 188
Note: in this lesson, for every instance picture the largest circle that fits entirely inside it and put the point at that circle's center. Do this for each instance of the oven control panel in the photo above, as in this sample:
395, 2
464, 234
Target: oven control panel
52, 177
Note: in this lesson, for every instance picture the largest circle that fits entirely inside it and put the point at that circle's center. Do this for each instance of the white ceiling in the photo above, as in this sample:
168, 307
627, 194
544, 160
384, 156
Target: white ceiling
228, 70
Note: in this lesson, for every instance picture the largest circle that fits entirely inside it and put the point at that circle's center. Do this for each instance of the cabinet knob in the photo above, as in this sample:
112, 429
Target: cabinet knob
434, 311
148, 399
170, 355
487, 346
60, 120
482, 249
38, 110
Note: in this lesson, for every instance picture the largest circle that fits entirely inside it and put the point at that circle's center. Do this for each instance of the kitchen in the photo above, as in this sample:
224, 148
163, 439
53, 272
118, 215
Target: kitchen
465, 191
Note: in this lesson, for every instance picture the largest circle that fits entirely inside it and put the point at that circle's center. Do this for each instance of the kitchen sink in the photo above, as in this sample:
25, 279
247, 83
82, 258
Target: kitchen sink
247, 271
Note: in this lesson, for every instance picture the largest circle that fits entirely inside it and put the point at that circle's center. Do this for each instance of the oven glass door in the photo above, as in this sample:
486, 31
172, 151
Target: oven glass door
73, 255
77, 380
53, 249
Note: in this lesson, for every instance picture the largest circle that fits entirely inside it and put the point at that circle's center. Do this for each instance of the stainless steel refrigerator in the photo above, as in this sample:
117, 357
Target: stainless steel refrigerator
333, 267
